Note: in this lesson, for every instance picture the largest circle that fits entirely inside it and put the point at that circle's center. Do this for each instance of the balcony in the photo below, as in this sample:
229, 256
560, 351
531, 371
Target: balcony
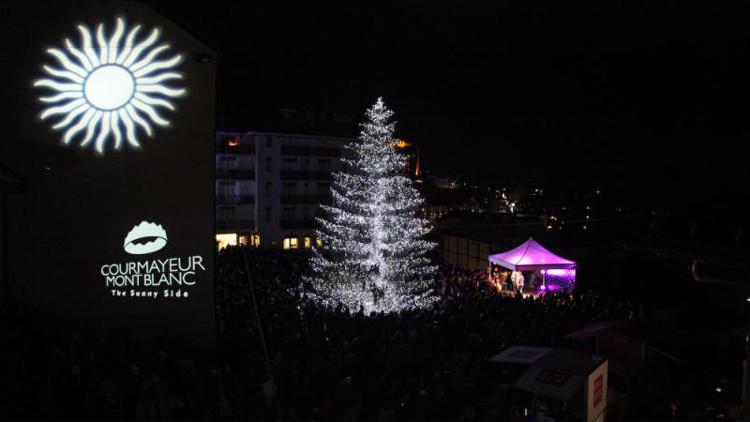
234, 199
305, 199
299, 224
310, 151
235, 174
306, 175
234, 224
238, 149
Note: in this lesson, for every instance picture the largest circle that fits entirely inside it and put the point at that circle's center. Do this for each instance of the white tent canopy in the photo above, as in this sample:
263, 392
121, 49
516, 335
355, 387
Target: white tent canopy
531, 256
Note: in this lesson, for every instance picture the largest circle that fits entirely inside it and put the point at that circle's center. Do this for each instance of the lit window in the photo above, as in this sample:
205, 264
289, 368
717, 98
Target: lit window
318, 243
244, 240
233, 142
308, 243
291, 243
255, 240
225, 239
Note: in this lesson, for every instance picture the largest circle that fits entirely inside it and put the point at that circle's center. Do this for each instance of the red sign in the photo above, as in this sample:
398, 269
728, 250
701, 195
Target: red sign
598, 390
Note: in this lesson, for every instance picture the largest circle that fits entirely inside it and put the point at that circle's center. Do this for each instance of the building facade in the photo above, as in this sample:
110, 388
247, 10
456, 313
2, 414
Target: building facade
269, 187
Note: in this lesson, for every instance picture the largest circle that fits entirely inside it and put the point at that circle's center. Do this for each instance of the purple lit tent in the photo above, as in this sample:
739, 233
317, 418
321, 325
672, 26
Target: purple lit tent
531, 256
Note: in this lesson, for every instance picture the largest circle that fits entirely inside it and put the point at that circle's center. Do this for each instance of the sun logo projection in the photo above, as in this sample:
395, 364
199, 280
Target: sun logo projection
106, 92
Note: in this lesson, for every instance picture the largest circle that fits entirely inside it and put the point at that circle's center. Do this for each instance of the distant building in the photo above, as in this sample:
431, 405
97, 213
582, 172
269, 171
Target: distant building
269, 187
440, 203
411, 150
467, 242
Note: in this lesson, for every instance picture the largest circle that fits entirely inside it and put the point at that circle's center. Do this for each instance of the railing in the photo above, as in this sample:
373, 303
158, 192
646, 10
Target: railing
310, 151
306, 175
235, 174
234, 224
239, 149
235, 199
305, 199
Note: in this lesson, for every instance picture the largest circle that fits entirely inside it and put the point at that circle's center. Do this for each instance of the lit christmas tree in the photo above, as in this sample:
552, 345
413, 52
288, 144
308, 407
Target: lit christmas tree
373, 253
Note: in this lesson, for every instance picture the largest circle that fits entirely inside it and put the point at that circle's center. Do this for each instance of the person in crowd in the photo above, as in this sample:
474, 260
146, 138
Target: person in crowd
324, 362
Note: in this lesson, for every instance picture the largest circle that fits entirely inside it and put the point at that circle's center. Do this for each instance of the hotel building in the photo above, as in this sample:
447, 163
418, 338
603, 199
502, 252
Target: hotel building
269, 187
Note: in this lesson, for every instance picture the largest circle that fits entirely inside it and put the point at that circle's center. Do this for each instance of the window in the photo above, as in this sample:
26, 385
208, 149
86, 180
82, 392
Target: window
225, 239
228, 137
291, 243
288, 213
308, 243
288, 163
288, 188
226, 188
226, 213
269, 217
255, 240
269, 164
269, 189
318, 243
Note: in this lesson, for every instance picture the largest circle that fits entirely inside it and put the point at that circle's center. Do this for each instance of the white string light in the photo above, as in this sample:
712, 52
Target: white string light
373, 255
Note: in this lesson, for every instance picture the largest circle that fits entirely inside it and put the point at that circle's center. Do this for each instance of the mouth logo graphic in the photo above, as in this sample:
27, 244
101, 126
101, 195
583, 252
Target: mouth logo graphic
145, 238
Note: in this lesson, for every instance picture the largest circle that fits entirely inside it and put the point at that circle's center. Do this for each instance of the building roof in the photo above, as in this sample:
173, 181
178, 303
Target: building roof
531, 256
521, 354
558, 374
598, 327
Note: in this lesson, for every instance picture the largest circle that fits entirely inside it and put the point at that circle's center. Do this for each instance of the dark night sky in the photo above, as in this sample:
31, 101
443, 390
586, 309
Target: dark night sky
644, 97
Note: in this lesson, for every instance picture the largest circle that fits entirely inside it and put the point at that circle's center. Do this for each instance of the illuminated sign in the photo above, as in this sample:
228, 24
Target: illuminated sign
145, 238
105, 91
596, 393
157, 278
598, 390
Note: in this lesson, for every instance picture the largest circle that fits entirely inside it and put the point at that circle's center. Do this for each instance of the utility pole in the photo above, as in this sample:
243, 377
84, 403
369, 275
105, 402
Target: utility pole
746, 372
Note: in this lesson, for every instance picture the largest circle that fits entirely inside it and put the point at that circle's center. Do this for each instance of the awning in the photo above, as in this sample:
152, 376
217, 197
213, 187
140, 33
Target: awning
531, 256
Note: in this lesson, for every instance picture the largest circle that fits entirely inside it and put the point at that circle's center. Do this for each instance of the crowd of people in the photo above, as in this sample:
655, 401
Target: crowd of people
284, 355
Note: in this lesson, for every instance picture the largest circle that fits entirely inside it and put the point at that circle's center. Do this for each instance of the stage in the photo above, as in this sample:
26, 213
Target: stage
531, 270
